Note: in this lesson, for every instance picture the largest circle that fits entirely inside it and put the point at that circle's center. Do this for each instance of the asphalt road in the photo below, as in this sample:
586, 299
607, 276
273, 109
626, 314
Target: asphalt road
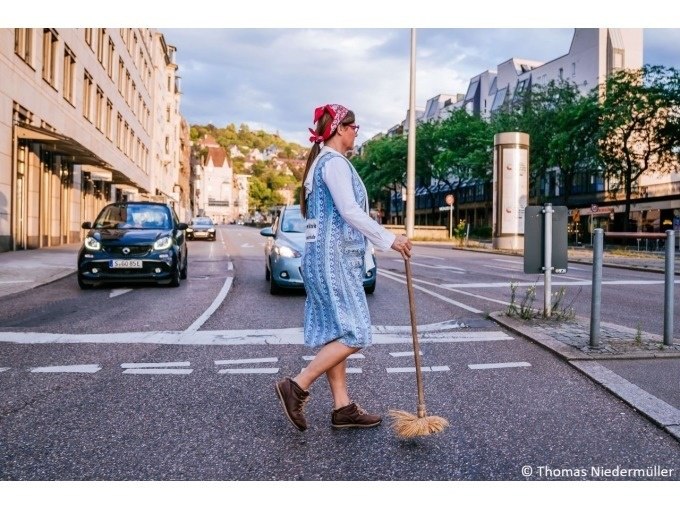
154, 383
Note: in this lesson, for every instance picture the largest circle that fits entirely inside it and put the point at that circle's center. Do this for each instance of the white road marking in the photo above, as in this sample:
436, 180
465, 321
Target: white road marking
211, 309
508, 261
403, 353
230, 266
386, 274
357, 355
539, 283
68, 369
118, 292
4, 369
244, 361
446, 332
247, 245
503, 268
353, 370
396, 370
249, 371
156, 365
161, 371
450, 268
487, 366
15, 281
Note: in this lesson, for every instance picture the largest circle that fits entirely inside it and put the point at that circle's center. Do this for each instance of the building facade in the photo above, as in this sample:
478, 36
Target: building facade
87, 116
594, 54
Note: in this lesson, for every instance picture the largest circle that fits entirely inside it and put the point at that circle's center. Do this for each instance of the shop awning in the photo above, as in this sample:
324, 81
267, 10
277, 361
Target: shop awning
77, 153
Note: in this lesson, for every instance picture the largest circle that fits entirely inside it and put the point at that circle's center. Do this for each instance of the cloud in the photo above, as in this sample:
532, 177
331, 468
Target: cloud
272, 79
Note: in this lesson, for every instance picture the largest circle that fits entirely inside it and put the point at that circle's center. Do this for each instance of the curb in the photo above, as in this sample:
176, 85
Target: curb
658, 411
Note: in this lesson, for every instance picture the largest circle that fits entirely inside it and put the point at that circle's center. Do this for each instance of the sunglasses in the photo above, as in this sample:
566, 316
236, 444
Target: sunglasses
355, 127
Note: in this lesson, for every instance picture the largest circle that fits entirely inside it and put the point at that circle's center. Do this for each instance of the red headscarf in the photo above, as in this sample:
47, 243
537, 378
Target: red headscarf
337, 113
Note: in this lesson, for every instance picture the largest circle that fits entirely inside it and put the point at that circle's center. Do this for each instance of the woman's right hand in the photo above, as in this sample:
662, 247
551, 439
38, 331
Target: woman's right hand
403, 245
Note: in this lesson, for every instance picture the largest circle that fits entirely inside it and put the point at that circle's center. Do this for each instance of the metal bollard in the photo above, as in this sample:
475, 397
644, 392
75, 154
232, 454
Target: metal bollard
596, 299
668, 288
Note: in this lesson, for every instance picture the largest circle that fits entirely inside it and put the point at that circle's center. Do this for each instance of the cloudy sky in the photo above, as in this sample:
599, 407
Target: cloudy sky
272, 77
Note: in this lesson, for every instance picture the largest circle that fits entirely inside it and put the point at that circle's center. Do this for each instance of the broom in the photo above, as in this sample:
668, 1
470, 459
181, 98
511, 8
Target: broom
406, 424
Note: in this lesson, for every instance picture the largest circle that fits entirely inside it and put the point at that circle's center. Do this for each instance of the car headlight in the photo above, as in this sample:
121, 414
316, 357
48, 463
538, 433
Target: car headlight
285, 251
163, 243
211, 230
190, 230
92, 244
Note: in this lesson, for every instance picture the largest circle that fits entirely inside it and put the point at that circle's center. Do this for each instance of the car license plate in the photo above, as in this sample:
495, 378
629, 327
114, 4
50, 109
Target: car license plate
125, 264
200, 234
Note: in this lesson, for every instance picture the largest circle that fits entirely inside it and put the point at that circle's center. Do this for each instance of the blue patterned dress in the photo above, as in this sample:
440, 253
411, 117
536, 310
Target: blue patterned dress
333, 267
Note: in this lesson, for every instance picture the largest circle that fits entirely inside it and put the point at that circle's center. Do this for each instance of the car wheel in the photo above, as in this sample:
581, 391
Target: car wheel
83, 285
274, 288
185, 270
267, 273
174, 281
370, 289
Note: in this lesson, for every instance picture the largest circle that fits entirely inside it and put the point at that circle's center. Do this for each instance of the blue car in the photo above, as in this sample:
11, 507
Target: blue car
283, 253
133, 242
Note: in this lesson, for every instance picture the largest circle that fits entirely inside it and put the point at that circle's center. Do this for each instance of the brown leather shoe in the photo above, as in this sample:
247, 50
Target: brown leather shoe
353, 416
293, 400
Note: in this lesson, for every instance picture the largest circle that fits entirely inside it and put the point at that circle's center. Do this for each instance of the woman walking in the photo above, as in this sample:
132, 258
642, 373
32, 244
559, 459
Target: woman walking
337, 254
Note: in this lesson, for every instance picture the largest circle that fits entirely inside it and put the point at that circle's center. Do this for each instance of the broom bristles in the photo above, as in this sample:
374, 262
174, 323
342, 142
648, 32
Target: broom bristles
409, 425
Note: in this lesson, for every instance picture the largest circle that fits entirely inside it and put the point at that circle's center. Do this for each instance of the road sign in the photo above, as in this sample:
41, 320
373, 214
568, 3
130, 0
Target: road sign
534, 239
449, 199
576, 216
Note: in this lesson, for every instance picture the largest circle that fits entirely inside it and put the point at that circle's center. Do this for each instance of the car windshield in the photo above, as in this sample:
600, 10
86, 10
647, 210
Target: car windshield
131, 216
202, 221
292, 221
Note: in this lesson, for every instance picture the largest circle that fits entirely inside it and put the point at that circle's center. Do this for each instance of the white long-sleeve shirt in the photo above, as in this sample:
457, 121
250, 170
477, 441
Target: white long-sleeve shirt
338, 177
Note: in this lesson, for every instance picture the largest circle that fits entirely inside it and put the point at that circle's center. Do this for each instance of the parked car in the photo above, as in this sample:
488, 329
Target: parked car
283, 253
201, 227
133, 242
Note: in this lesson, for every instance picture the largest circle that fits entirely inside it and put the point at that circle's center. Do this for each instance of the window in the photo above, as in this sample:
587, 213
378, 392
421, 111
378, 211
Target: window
49, 55
87, 96
167, 113
109, 120
23, 43
101, 36
99, 117
69, 75
111, 58
573, 69
561, 73
121, 75
119, 132
88, 37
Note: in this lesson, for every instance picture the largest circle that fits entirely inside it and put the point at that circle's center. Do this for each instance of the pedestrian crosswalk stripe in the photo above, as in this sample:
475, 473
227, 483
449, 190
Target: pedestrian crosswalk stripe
159, 371
69, 369
245, 361
249, 371
486, 366
396, 370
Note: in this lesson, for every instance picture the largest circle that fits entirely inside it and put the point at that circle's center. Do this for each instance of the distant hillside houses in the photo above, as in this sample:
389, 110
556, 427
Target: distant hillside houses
215, 190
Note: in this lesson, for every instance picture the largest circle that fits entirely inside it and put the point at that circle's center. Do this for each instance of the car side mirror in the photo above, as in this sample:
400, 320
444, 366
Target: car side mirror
267, 232
86, 224
182, 226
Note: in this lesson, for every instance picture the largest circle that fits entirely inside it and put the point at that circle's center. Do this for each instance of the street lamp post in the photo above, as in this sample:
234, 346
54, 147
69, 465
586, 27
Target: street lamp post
411, 156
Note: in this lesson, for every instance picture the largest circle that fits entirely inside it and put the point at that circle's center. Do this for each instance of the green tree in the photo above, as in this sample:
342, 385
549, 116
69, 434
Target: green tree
639, 126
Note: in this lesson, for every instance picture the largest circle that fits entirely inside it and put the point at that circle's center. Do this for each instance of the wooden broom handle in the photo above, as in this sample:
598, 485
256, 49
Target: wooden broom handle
416, 344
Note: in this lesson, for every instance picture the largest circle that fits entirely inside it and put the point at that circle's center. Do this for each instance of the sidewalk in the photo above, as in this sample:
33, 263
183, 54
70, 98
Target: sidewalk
635, 366
27, 269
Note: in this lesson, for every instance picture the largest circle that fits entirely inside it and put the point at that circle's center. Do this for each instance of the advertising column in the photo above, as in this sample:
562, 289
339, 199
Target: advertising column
510, 189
